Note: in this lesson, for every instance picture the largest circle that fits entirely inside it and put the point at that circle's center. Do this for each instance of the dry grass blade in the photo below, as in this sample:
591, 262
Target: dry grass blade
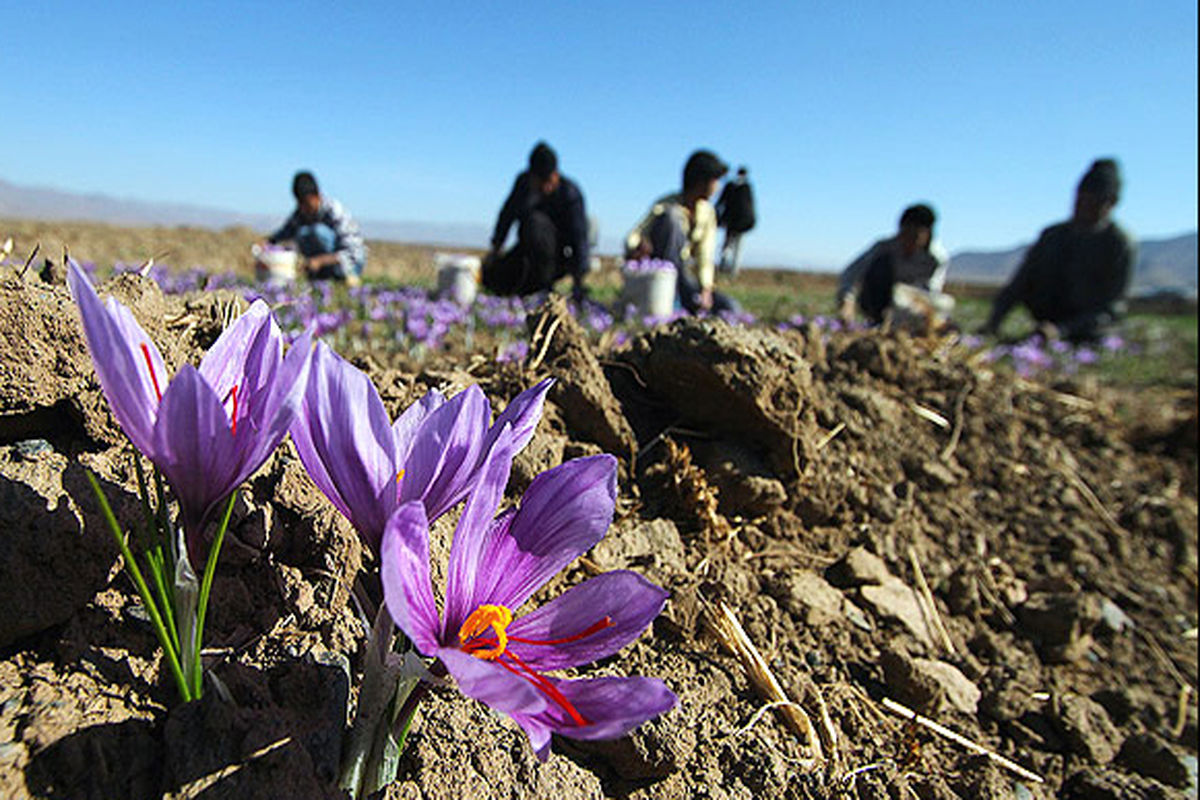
731, 633
1093, 501
1181, 712
930, 415
930, 606
957, 738
829, 437
959, 408
536, 362
37, 247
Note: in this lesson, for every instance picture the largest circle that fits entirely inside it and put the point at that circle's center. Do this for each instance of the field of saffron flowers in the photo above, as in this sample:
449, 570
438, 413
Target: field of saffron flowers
386, 545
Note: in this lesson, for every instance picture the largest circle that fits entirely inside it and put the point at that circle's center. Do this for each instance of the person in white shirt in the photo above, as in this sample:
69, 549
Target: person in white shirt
911, 258
682, 228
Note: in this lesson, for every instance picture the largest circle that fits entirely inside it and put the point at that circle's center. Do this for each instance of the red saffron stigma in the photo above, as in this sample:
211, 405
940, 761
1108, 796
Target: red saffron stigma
484, 635
586, 632
150, 366
542, 683
233, 413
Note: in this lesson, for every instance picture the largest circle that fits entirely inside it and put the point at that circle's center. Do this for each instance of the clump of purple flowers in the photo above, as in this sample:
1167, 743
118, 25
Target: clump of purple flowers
1036, 355
206, 431
643, 266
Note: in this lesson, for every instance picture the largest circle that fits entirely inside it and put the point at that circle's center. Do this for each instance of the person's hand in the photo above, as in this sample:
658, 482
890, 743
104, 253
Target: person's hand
579, 294
641, 251
706, 299
846, 310
1048, 331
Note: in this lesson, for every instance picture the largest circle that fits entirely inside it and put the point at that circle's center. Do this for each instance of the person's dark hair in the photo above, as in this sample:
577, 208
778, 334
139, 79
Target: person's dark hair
702, 166
919, 215
304, 184
1103, 178
543, 161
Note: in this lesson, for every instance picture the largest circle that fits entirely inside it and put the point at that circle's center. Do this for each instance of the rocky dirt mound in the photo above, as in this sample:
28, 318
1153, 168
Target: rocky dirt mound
877, 517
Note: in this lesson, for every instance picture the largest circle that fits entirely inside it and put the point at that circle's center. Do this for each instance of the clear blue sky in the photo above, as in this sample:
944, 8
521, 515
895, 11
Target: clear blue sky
845, 113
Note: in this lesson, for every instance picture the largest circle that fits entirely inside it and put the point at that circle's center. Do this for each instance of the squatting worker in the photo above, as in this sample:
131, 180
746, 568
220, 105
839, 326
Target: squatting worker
1074, 277
910, 258
324, 232
682, 228
552, 232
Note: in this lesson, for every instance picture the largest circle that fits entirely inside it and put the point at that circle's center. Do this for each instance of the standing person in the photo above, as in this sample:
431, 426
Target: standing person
1074, 277
324, 232
552, 232
910, 258
735, 213
682, 228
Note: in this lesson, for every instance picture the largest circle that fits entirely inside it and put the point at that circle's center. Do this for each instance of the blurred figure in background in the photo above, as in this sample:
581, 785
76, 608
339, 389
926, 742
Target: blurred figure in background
910, 266
682, 228
1074, 277
735, 213
552, 232
324, 233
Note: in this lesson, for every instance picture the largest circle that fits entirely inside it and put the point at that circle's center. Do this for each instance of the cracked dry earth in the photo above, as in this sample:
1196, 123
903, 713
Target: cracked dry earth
864, 518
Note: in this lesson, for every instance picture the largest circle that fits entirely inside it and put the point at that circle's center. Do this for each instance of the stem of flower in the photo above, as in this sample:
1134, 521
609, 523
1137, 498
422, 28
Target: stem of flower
210, 569
153, 550
155, 559
156, 619
164, 523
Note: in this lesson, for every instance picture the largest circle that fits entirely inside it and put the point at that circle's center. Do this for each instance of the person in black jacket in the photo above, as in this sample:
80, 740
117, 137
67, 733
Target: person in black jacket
735, 213
552, 232
1074, 277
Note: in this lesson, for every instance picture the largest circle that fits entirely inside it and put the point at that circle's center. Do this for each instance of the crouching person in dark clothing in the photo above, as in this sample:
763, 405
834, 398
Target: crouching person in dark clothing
552, 232
1074, 277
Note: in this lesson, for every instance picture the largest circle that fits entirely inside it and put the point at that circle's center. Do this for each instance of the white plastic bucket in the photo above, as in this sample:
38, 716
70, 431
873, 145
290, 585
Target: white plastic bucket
457, 277
652, 293
274, 264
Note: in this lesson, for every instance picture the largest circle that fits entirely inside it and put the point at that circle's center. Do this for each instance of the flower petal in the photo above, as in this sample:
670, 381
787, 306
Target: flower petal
563, 513
445, 455
523, 414
271, 407
477, 527
408, 423
629, 601
115, 339
612, 706
404, 569
345, 443
491, 683
224, 365
194, 448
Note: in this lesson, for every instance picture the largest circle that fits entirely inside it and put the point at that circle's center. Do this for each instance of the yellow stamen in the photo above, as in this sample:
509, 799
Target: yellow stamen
481, 619
399, 474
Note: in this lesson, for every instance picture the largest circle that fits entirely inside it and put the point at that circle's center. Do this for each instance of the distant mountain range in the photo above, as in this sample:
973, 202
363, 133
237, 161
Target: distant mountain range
25, 202
1163, 265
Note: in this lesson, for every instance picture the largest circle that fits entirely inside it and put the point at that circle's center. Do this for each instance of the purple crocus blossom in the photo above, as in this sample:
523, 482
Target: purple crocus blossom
208, 429
496, 564
368, 466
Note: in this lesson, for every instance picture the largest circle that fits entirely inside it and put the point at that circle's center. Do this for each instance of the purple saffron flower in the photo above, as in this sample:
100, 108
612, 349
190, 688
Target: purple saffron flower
1112, 343
368, 466
208, 429
496, 564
